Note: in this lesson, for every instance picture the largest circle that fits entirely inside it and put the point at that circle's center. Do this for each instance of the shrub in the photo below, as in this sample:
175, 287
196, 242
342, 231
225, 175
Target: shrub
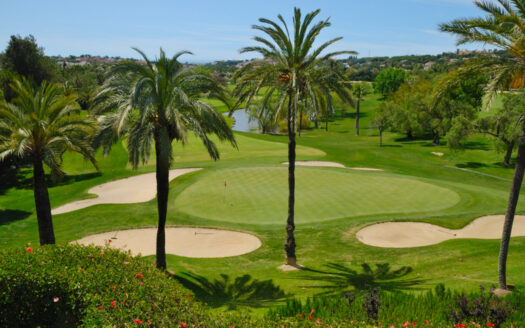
65, 286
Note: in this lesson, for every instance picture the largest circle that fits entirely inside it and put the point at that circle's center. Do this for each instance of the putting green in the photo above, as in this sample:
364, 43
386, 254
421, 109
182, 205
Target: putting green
259, 195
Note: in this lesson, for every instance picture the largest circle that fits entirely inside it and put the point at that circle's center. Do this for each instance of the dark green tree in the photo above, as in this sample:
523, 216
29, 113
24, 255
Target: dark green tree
24, 57
389, 80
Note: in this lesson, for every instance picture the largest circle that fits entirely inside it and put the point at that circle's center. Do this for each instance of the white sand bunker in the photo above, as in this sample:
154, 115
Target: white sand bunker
188, 242
414, 234
331, 164
137, 189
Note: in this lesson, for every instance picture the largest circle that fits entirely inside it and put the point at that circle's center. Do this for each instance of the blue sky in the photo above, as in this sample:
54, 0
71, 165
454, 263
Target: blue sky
216, 30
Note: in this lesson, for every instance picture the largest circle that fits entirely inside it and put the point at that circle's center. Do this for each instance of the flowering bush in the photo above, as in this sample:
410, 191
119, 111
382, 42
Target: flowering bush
69, 286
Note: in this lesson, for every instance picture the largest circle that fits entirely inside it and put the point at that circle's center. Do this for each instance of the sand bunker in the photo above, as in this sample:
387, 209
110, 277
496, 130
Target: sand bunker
188, 242
137, 189
414, 234
437, 153
331, 164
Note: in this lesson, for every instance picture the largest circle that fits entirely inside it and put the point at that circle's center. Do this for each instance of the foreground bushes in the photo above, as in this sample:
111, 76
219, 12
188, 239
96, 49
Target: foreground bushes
439, 308
68, 286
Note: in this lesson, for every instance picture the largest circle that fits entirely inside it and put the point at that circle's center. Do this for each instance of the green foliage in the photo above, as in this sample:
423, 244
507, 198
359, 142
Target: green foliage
24, 57
42, 124
389, 80
64, 286
396, 308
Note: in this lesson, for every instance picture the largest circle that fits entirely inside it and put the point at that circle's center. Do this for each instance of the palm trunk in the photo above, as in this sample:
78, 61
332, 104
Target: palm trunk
357, 118
300, 122
510, 148
43, 207
289, 247
511, 209
326, 120
162, 145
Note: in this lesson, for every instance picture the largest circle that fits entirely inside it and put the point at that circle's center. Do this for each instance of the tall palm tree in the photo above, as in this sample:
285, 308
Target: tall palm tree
360, 91
159, 102
504, 28
41, 125
284, 74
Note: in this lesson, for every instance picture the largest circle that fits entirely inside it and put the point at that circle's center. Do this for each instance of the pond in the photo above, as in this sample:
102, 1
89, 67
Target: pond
242, 122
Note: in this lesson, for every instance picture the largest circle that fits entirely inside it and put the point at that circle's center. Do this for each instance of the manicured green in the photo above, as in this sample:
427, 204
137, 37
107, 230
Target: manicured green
237, 195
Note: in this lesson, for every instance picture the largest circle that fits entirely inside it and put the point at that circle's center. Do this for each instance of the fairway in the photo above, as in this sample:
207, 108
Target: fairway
259, 195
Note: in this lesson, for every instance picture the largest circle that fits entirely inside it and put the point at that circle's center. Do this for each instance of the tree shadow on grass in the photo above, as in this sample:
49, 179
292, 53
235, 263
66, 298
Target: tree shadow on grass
8, 216
471, 165
353, 115
240, 291
338, 277
23, 179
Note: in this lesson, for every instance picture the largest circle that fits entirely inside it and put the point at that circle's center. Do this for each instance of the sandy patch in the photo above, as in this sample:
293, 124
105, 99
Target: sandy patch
137, 189
288, 268
182, 241
437, 153
330, 164
414, 234
363, 169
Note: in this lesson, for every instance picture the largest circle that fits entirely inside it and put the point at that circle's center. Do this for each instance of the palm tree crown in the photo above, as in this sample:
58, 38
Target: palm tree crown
159, 102
41, 125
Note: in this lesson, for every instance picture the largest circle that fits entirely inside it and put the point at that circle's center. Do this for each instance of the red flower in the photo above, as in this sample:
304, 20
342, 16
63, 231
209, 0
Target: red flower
113, 304
182, 324
110, 240
90, 256
188, 296
490, 324
114, 287
413, 324
101, 307
426, 321
29, 249
139, 275
141, 283
138, 321
232, 327
406, 324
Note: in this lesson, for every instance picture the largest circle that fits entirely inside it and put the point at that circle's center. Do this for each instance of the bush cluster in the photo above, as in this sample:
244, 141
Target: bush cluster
69, 286
440, 308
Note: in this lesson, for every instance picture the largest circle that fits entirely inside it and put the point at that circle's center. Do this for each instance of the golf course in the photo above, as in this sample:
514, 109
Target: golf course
245, 191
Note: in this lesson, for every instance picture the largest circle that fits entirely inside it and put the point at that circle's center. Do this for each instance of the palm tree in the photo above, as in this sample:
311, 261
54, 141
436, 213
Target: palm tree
503, 27
360, 91
159, 102
284, 75
41, 125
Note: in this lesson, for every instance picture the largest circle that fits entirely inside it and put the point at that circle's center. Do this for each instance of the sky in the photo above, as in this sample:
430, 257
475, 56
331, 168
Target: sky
217, 29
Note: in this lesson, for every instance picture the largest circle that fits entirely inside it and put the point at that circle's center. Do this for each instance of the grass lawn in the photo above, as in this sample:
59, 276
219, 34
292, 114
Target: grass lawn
332, 205
322, 194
